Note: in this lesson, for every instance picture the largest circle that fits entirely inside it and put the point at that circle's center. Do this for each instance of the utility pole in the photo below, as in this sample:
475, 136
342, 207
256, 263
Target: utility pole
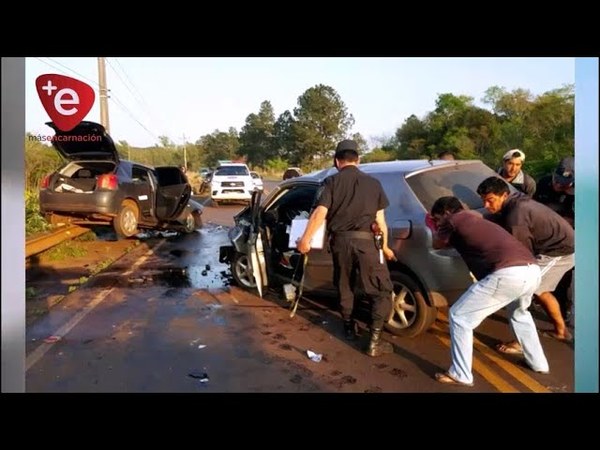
103, 93
184, 154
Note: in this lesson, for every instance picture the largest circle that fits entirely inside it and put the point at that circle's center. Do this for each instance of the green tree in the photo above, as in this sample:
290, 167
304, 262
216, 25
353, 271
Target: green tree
321, 120
257, 139
124, 149
284, 138
363, 147
166, 142
220, 145
378, 155
40, 160
412, 138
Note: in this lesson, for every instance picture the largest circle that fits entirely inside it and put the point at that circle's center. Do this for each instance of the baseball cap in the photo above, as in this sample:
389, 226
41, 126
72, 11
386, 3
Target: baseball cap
514, 153
565, 172
347, 144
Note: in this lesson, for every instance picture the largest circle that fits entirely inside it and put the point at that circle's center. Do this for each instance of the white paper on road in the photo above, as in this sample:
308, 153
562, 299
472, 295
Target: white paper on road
297, 230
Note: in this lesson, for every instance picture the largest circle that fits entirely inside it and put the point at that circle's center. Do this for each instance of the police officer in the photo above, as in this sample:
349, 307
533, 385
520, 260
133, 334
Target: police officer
350, 202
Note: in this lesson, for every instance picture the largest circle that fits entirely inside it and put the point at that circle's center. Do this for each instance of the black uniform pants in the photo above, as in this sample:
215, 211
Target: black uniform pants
358, 258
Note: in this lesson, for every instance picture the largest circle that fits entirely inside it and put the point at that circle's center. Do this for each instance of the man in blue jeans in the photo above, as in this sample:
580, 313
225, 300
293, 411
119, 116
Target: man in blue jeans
507, 276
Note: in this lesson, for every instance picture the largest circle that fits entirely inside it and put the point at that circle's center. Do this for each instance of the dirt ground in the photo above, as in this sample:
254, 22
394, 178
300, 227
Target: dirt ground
53, 274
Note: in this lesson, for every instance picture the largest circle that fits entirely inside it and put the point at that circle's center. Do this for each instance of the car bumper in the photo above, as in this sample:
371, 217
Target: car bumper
231, 194
101, 202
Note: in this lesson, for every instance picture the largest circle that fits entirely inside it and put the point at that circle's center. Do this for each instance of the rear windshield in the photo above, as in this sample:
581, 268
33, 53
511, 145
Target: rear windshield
460, 181
87, 169
231, 170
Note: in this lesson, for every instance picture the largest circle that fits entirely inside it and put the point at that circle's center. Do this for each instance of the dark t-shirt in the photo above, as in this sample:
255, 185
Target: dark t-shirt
484, 246
352, 199
559, 202
535, 225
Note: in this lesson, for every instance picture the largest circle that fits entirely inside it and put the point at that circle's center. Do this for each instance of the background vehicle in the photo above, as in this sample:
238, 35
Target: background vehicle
424, 279
204, 171
258, 181
292, 172
96, 187
231, 181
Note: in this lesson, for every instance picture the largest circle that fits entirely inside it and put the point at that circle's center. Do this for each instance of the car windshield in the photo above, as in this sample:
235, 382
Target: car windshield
460, 181
231, 170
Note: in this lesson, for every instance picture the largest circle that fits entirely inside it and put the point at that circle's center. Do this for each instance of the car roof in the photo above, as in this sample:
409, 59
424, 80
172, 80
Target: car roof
404, 167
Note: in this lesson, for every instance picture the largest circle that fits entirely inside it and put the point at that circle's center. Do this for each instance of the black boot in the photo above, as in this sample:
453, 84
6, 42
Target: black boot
378, 347
350, 330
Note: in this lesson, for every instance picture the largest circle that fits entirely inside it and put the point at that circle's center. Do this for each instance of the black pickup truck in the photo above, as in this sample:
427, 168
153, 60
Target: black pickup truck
96, 187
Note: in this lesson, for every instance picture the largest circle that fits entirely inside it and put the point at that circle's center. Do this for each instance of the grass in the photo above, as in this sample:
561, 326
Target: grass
34, 222
89, 236
30, 292
64, 250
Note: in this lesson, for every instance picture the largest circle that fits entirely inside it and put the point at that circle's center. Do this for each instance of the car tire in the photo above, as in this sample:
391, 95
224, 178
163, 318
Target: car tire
125, 223
242, 272
410, 315
192, 222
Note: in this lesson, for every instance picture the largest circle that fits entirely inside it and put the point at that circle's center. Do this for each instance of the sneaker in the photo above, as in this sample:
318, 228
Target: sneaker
285, 262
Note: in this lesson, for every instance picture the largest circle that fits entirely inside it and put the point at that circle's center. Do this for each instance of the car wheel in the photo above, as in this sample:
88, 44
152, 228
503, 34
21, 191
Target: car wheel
126, 222
190, 223
411, 315
241, 269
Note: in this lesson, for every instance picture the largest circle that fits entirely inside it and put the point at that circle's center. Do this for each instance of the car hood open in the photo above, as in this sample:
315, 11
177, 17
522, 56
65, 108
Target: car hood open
87, 141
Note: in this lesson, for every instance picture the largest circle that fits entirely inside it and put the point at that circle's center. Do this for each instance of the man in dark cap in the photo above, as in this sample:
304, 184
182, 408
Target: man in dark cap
557, 191
351, 202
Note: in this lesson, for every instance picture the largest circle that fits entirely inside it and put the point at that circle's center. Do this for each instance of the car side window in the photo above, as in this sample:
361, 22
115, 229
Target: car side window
140, 175
295, 201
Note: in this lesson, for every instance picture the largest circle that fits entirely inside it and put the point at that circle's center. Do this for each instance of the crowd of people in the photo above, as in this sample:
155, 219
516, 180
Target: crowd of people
521, 251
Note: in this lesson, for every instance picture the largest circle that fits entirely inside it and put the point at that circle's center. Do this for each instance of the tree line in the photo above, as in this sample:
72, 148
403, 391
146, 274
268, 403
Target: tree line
542, 126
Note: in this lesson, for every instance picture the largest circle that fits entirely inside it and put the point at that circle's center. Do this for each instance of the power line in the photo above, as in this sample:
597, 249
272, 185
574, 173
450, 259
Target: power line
135, 96
125, 109
138, 97
75, 72
132, 84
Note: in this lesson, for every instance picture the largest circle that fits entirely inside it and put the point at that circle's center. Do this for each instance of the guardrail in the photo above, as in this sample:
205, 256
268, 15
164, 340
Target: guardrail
45, 241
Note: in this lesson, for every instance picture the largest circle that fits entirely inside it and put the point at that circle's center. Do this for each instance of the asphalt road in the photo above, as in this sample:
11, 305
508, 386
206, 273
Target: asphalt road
165, 318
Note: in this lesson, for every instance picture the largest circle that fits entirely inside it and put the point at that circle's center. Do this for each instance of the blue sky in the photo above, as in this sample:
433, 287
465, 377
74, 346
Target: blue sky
191, 97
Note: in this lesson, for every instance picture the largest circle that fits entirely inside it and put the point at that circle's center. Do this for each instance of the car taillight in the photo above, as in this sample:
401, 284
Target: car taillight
107, 181
45, 182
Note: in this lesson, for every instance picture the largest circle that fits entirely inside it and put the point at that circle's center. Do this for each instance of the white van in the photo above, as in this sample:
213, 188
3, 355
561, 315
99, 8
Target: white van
231, 181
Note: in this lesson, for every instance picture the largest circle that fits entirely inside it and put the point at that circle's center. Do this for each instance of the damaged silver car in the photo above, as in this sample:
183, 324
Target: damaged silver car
424, 279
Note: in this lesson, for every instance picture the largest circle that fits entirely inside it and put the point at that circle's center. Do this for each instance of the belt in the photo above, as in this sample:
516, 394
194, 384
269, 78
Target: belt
354, 234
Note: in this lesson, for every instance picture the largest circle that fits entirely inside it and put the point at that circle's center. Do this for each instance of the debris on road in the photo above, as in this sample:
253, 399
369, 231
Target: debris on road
316, 357
201, 376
